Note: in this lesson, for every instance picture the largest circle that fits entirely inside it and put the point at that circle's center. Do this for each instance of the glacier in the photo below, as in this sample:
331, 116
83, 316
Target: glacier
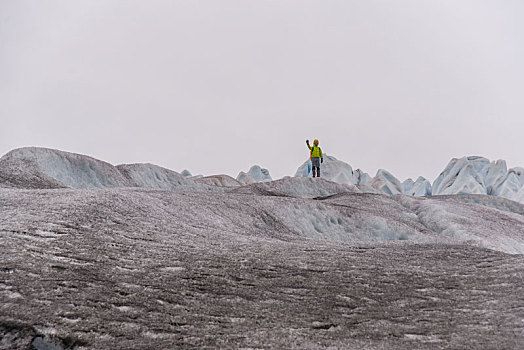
41, 168
96, 256
466, 175
34, 167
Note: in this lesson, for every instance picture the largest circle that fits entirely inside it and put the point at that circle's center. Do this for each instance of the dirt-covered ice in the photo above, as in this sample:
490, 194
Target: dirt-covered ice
258, 268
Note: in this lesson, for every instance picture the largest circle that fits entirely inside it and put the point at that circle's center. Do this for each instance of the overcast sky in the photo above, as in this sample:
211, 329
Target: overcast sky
218, 86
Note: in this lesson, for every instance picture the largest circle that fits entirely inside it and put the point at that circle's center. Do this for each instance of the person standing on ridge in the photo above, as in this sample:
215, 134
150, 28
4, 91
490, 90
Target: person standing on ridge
316, 157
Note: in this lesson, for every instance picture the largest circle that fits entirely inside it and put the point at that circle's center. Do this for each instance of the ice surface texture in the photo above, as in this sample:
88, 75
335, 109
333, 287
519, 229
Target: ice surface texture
259, 266
95, 256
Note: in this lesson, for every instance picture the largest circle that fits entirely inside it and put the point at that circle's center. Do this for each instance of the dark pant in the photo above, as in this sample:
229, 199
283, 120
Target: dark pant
315, 164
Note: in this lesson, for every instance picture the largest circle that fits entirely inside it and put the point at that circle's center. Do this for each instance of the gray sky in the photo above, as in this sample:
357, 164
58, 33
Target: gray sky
217, 86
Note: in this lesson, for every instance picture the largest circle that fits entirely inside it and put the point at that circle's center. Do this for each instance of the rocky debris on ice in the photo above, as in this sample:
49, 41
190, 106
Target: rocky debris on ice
294, 263
320, 210
126, 268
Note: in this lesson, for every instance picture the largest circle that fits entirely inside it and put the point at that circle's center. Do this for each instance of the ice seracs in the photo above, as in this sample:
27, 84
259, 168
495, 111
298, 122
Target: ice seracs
385, 182
335, 170
43, 168
186, 173
360, 177
259, 174
477, 175
255, 174
466, 175
509, 184
495, 174
462, 176
419, 188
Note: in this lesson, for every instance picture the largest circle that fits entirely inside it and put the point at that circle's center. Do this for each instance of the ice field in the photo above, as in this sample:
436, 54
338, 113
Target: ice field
97, 256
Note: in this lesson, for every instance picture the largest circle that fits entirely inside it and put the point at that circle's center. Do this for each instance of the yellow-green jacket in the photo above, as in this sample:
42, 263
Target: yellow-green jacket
316, 152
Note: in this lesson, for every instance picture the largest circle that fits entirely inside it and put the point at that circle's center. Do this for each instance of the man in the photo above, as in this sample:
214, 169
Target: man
316, 157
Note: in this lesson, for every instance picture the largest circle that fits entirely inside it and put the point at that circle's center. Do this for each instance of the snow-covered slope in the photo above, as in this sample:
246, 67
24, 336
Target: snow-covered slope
42, 168
498, 203
15, 173
47, 168
312, 208
219, 181
154, 176
131, 268
487, 221
297, 187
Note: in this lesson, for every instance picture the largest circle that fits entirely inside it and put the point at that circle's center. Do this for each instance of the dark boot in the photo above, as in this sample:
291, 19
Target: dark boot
318, 172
